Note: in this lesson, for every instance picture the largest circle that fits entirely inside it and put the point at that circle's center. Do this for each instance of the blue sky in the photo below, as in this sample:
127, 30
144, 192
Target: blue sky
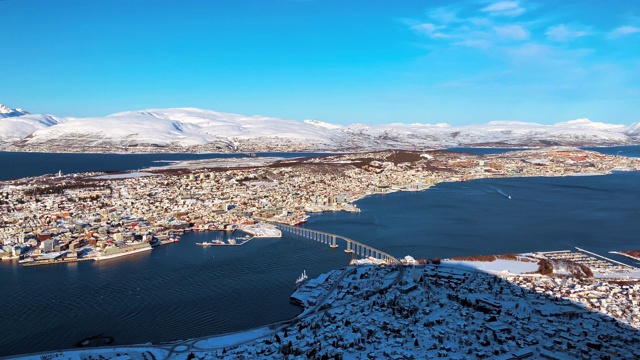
337, 61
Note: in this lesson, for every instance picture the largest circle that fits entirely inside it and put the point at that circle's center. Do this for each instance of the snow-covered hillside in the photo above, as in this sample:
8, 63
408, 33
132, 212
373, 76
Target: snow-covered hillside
190, 129
16, 124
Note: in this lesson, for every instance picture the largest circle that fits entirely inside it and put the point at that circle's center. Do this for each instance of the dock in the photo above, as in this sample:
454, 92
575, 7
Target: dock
604, 258
625, 255
228, 243
54, 261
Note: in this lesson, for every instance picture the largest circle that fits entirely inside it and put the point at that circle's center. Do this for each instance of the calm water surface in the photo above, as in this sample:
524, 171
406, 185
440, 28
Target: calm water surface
175, 291
15, 165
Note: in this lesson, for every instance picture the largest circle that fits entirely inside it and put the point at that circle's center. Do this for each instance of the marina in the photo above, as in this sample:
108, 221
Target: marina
230, 242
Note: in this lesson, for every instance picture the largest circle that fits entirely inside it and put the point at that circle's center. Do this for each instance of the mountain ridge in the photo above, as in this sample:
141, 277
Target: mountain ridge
198, 130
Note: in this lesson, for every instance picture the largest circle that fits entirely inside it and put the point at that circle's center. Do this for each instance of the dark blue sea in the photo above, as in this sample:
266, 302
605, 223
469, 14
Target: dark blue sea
15, 165
181, 290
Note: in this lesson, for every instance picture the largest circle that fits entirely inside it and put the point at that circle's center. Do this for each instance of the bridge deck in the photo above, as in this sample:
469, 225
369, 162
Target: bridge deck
351, 245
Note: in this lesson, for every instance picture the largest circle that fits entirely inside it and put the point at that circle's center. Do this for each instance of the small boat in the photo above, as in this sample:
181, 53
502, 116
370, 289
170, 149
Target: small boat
232, 241
217, 242
301, 279
206, 243
97, 340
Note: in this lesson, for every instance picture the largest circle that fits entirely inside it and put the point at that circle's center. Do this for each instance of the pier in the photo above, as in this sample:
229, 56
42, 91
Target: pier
56, 261
351, 246
604, 258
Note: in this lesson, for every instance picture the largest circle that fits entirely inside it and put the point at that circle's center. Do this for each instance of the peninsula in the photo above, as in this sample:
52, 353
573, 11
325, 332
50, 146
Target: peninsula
61, 218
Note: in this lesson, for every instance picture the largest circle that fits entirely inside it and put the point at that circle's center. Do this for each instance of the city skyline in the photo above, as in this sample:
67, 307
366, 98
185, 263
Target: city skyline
374, 62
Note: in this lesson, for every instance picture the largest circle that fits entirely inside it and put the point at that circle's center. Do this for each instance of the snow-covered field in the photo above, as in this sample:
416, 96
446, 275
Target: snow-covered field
498, 266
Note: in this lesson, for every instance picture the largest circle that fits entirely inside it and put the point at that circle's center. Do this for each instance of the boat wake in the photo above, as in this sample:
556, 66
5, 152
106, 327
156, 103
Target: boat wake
501, 192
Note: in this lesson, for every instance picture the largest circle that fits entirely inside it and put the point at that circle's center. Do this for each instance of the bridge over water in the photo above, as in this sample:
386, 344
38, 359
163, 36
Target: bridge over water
351, 246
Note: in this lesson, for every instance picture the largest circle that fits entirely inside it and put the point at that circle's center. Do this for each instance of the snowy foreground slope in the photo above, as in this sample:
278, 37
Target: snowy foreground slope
189, 129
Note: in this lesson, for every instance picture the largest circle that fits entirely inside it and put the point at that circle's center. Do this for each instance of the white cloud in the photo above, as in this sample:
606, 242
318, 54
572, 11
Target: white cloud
476, 43
430, 29
564, 33
511, 32
444, 15
504, 8
530, 52
427, 27
624, 30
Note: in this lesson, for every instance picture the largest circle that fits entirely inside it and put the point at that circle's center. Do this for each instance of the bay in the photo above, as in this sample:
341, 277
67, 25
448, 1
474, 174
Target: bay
597, 213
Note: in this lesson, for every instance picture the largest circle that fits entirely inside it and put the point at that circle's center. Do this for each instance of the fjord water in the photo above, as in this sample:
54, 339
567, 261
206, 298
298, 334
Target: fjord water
15, 165
182, 290
175, 291
597, 213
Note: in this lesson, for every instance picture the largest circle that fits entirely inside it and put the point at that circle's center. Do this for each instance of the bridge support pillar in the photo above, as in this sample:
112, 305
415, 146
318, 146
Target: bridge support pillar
333, 243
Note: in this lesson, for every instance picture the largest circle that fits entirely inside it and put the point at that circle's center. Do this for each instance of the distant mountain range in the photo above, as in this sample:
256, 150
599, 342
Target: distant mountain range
194, 130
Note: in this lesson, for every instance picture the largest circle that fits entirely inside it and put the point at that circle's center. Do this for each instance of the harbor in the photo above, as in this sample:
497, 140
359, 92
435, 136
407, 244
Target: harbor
253, 231
229, 242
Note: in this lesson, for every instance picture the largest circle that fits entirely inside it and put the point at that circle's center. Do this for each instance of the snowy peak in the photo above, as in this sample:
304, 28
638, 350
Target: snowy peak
586, 123
6, 111
322, 124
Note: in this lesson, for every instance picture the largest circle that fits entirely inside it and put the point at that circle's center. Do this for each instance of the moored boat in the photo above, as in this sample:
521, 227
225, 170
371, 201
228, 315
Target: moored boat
301, 279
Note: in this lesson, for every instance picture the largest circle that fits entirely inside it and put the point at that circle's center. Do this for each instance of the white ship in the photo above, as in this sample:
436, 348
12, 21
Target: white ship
301, 279
123, 250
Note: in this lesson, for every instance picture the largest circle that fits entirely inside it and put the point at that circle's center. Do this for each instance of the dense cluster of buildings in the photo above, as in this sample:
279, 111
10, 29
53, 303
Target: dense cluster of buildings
619, 300
81, 212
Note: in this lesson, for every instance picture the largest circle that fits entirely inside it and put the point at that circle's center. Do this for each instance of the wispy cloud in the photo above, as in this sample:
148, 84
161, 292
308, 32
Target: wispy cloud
431, 30
504, 8
624, 30
520, 46
511, 32
563, 32
475, 43
444, 15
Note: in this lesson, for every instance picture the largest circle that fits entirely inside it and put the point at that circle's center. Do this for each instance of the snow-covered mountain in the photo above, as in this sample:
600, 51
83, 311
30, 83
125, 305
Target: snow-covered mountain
190, 129
16, 124
6, 111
